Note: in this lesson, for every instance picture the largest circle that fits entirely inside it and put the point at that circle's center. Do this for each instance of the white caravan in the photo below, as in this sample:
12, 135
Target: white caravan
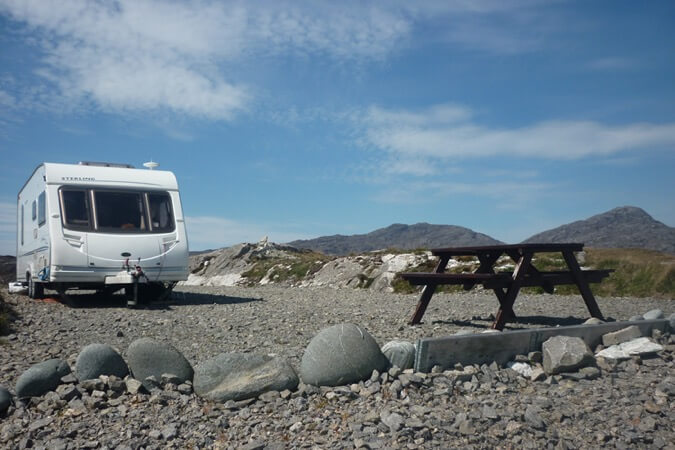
101, 226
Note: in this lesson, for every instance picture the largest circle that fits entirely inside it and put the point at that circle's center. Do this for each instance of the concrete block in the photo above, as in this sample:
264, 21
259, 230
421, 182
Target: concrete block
502, 347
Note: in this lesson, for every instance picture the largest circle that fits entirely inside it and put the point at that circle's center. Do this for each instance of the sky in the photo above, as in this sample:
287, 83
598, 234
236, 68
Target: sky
298, 119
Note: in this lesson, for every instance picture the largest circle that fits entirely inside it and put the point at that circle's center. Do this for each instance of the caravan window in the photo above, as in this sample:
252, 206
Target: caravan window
119, 211
21, 225
34, 208
42, 209
75, 208
161, 218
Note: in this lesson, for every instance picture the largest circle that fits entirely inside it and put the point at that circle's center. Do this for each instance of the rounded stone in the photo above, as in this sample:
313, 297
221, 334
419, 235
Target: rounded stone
99, 359
400, 353
41, 378
147, 357
653, 314
239, 376
5, 399
341, 354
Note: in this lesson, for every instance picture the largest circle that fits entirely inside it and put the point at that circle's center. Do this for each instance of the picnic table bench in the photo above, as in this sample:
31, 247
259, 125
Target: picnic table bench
506, 285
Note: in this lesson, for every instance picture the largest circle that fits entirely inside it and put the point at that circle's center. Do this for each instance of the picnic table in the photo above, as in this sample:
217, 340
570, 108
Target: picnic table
506, 285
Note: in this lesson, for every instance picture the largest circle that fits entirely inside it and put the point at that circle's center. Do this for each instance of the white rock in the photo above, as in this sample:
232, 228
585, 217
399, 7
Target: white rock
639, 346
524, 369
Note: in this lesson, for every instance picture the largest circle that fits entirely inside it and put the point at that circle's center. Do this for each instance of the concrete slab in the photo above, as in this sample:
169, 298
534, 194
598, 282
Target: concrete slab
502, 347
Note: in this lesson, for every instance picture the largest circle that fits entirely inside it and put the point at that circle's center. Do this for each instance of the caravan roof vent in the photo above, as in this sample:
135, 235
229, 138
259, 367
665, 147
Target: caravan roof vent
105, 164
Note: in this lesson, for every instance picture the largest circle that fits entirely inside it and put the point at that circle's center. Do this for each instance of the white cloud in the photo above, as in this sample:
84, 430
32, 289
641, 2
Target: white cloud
215, 232
421, 134
183, 57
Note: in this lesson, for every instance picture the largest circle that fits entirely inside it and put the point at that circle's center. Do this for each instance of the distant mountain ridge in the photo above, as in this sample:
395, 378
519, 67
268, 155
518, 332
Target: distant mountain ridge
623, 227
400, 236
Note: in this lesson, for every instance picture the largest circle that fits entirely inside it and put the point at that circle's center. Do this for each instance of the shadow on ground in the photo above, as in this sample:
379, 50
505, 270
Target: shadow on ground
519, 322
193, 298
98, 300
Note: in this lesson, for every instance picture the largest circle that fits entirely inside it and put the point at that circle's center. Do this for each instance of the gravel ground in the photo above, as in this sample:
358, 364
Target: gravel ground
630, 405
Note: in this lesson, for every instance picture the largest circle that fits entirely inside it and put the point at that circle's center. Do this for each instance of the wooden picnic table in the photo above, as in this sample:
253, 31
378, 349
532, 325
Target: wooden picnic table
506, 285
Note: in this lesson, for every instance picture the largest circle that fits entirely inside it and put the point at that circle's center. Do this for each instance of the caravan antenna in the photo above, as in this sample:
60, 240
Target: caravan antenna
151, 165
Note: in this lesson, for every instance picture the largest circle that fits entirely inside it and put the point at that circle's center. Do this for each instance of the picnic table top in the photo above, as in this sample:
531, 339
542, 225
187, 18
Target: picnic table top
475, 250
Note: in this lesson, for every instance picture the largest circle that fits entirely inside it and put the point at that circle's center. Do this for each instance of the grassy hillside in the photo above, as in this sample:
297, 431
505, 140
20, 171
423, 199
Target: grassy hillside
637, 273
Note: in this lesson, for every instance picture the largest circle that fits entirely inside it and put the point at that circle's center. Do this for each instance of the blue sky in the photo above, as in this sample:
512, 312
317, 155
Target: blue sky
298, 119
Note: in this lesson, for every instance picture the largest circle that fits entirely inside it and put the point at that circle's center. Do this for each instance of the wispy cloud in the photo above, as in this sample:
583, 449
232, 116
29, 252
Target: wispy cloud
144, 56
422, 134
215, 232
612, 64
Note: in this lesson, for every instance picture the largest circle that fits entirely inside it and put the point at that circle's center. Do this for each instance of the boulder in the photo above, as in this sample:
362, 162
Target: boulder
41, 378
400, 354
148, 357
653, 314
99, 359
239, 376
5, 399
593, 321
341, 354
639, 346
620, 336
565, 354
524, 369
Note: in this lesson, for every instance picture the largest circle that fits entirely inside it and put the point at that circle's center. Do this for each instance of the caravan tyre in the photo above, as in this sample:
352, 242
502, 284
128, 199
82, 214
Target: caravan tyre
35, 290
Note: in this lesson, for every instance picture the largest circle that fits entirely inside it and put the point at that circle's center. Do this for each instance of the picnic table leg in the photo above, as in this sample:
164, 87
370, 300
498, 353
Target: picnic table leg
509, 299
582, 284
427, 293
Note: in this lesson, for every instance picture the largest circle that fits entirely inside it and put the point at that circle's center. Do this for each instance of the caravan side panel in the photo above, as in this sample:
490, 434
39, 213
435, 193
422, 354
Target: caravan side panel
33, 227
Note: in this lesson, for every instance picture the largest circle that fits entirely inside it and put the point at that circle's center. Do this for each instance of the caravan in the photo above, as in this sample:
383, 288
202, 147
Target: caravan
101, 226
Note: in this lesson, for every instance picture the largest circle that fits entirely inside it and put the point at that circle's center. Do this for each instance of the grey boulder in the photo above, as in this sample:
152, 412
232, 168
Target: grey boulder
5, 399
99, 359
239, 376
400, 353
41, 378
566, 354
653, 314
148, 357
341, 354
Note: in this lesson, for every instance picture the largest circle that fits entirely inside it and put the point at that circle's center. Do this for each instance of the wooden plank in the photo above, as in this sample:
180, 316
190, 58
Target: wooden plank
534, 248
427, 293
506, 305
582, 284
502, 279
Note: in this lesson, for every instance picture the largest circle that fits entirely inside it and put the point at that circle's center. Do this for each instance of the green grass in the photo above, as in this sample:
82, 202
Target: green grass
290, 269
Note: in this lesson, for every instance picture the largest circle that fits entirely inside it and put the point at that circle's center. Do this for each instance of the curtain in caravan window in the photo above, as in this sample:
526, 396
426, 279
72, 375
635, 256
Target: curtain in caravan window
42, 209
161, 217
75, 209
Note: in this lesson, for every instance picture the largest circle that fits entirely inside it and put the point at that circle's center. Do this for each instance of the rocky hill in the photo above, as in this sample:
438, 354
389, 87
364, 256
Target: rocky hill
624, 227
7, 269
399, 236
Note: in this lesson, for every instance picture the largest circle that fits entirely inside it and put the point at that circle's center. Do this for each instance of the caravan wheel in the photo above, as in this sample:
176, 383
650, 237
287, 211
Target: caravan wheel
35, 290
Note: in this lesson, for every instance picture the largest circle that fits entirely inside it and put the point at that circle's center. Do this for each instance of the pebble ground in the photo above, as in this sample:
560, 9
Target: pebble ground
629, 405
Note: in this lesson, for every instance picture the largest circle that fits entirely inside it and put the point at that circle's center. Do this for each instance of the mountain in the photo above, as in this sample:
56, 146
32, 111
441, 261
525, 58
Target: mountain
624, 227
400, 236
7, 269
